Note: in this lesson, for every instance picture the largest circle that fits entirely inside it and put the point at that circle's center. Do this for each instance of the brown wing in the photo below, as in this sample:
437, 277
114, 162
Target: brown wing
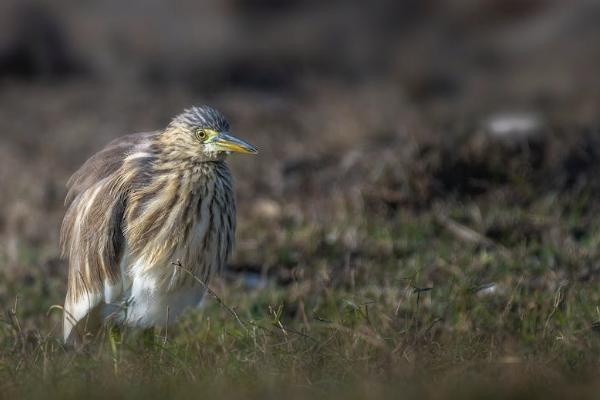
104, 163
91, 233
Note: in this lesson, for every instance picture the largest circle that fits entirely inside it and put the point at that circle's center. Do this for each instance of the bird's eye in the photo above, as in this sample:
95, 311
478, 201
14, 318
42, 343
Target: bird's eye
201, 134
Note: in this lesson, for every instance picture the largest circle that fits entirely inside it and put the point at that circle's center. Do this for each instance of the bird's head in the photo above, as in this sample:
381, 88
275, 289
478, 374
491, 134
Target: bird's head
203, 132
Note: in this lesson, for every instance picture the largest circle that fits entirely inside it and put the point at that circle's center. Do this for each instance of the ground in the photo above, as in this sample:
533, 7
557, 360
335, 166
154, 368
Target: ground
393, 239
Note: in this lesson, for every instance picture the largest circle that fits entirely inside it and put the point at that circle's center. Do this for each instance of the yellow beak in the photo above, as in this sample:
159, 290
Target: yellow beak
227, 142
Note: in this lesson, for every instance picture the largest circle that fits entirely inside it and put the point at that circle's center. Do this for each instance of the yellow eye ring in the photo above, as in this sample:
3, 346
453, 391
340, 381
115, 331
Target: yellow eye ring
201, 134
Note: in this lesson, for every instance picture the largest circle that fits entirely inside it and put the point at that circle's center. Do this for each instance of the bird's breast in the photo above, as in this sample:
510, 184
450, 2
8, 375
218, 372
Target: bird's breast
187, 218
178, 237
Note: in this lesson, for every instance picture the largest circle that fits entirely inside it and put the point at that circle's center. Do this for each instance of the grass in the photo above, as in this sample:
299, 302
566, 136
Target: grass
459, 301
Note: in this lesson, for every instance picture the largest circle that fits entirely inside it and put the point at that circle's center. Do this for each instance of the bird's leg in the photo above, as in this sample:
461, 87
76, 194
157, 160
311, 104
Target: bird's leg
115, 339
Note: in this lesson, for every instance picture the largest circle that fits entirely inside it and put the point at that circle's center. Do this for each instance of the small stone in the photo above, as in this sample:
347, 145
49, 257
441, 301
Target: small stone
267, 208
515, 126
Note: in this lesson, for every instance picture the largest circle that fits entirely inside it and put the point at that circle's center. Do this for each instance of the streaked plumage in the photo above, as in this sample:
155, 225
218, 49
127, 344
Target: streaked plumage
145, 201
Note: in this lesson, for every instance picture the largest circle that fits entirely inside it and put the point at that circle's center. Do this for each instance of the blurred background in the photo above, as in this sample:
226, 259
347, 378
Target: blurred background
361, 112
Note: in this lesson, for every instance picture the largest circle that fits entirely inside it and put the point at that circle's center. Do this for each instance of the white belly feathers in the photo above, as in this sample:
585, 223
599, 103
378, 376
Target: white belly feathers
146, 297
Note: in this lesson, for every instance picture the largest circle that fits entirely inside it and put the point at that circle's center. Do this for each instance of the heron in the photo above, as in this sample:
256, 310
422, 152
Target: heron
144, 202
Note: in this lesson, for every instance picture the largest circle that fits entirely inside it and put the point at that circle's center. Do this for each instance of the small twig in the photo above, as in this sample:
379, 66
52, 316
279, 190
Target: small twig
467, 234
14, 318
511, 299
431, 325
242, 323
277, 321
212, 293
558, 299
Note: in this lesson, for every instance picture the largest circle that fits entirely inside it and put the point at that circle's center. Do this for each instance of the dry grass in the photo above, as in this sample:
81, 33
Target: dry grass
349, 307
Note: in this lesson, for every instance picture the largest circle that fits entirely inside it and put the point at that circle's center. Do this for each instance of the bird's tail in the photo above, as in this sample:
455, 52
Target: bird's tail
76, 330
